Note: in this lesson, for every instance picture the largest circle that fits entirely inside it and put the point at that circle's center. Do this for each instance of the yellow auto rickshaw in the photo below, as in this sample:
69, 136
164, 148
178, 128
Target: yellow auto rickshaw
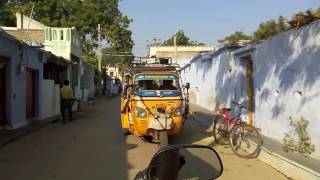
153, 102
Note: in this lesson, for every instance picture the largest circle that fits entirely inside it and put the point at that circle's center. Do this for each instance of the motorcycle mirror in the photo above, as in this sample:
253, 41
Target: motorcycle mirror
185, 162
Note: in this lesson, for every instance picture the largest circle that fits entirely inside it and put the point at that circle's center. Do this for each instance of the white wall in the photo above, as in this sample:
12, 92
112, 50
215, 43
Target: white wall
154, 49
51, 99
16, 82
285, 66
85, 95
204, 74
87, 81
28, 23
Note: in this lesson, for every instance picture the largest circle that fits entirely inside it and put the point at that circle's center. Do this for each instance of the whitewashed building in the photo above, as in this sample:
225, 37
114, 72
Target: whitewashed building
179, 54
277, 79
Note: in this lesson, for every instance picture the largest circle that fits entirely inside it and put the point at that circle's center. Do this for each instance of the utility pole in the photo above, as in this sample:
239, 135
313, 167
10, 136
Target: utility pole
27, 32
99, 48
21, 15
175, 48
99, 85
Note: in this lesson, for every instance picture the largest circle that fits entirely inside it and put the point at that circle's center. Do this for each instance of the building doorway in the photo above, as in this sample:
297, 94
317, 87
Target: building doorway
30, 93
3, 119
250, 87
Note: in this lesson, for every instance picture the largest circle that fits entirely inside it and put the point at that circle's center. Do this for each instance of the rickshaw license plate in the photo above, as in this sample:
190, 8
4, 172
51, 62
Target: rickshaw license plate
166, 123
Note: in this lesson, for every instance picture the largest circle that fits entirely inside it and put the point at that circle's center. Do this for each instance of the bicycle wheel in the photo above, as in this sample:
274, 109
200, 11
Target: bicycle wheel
220, 131
245, 140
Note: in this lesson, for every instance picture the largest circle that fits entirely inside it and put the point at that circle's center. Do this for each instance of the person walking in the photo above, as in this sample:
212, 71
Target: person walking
66, 100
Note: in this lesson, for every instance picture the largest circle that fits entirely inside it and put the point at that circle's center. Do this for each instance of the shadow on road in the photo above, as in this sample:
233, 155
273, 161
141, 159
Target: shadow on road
193, 133
90, 147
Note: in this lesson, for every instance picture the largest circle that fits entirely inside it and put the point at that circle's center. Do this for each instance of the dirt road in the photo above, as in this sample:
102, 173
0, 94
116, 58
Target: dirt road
93, 147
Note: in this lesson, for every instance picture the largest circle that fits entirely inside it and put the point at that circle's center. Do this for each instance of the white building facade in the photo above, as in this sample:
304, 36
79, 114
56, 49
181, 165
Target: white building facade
277, 79
179, 54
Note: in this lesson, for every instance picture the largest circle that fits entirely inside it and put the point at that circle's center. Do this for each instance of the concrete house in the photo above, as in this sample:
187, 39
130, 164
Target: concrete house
21, 82
179, 54
32, 33
27, 30
64, 44
285, 82
204, 71
277, 79
62, 60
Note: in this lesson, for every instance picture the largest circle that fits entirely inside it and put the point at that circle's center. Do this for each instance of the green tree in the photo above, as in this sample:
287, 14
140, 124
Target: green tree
236, 36
6, 17
182, 40
282, 24
85, 15
155, 42
90, 56
112, 56
270, 28
265, 30
317, 12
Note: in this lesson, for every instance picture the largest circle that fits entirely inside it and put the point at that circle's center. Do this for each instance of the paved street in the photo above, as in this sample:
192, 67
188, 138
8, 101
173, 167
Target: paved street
93, 147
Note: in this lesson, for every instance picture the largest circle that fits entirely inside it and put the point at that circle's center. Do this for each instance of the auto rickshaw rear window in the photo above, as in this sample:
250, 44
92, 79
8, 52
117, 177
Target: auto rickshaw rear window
157, 82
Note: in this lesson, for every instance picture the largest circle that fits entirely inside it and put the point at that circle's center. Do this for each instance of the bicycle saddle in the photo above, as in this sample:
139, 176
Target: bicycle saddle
226, 109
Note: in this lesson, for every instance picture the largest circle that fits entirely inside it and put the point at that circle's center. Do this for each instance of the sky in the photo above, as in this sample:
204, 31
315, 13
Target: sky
204, 21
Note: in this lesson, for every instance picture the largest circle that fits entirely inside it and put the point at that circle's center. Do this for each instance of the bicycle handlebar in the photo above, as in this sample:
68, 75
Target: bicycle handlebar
239, 104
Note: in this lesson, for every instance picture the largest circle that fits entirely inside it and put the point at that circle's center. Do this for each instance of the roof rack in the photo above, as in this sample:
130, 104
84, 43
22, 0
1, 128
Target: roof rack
151, 60
146, 64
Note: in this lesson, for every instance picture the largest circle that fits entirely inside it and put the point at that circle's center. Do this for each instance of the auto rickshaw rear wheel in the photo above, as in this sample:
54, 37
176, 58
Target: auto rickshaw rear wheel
126, 131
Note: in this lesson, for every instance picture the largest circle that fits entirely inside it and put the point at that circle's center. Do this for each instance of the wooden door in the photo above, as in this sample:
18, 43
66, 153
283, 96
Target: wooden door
30, 93
3, 120
250, 90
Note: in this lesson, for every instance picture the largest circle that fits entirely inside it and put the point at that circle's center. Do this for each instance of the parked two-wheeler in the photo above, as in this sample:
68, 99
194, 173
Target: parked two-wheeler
175, 162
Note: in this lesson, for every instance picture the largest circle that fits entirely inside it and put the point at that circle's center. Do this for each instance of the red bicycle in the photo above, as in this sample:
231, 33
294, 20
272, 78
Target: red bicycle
244, 139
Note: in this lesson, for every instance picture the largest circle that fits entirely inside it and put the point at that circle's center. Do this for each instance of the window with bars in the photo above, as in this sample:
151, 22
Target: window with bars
68, 35
54, 34
61, 34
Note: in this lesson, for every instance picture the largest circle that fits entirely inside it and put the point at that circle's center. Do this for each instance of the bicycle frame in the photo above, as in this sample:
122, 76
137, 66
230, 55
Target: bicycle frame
230, 120
235, 131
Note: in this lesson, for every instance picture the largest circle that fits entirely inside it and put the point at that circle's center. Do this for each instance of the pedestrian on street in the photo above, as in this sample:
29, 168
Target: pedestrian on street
66, 100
